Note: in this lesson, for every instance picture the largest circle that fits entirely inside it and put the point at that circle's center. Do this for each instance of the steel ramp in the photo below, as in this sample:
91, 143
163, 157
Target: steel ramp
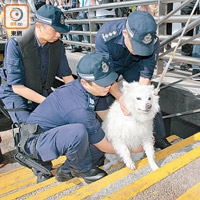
121, 182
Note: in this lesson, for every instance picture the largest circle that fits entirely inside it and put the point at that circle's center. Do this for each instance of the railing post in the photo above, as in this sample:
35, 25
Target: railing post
161, 31
91, 14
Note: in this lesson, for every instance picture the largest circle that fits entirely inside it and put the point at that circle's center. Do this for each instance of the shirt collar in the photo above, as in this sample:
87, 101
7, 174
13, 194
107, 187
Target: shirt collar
86, 92
38, 42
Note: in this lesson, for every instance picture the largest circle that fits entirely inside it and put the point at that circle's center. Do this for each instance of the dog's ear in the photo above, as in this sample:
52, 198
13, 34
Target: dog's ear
152, 87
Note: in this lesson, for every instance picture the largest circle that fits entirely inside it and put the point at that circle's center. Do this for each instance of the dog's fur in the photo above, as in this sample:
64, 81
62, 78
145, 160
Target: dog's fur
127, 133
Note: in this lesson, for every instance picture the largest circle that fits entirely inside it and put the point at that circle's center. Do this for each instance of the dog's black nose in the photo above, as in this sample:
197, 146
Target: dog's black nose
148, 106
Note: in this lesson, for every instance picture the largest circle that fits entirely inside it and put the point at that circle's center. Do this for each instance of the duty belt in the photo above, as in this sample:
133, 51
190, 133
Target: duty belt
27, 131
21, 138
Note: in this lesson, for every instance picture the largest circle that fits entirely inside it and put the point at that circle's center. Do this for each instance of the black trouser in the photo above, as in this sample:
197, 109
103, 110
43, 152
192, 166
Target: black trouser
187, 48
1, 156
169, 25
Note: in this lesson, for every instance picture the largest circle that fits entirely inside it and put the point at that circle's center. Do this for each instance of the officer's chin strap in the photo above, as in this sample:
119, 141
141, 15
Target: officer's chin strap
21, 156
157, 90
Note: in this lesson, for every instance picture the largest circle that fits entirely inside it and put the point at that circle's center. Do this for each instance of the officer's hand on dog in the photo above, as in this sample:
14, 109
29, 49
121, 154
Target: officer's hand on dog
123, 107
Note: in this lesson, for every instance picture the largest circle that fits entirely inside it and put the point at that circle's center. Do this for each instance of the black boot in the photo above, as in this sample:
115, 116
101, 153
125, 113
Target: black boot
42, 177
63, 174
100, 162
185, 66
162, 143
75, 49
3, 160
1, 157
94, 174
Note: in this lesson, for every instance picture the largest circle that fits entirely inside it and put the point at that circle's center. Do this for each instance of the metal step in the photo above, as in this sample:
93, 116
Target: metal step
121, 182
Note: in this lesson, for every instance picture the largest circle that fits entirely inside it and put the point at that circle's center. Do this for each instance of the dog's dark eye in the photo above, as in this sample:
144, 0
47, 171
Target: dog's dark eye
138, 98
149, 98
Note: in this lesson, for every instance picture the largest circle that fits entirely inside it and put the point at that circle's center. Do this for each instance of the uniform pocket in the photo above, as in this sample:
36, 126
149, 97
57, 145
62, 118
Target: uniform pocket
12, 65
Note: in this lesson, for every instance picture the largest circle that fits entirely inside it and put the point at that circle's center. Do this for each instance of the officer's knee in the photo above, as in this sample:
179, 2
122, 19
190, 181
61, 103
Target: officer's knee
81, 131
79, 136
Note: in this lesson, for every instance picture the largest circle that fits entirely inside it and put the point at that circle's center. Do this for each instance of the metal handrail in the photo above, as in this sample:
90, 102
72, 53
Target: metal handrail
119, 5
173, 19
195, 41
163, 20
182, 59
183, 42
93, 20
178, 33
169, 18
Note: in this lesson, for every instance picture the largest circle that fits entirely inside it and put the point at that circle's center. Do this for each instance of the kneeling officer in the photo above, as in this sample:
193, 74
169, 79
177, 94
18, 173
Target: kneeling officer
70, 126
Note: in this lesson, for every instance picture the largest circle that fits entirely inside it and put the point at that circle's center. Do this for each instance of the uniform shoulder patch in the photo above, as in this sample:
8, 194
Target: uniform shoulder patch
107, 36
91, 103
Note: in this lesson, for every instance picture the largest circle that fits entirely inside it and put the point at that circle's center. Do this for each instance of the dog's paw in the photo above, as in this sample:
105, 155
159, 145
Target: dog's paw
154, 167
130, 165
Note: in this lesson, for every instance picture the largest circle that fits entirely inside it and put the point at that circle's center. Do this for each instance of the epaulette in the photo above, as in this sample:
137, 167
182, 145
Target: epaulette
109, 35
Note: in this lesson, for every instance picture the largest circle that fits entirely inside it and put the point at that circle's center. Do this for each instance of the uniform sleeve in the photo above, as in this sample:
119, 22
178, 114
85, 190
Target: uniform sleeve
87, 118
148, 63
64, 69
110, 49
101, 46
13, 64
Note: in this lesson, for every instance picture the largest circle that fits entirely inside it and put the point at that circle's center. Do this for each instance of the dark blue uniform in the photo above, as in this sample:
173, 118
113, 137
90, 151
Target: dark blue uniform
110, 43
71, 127
14, 74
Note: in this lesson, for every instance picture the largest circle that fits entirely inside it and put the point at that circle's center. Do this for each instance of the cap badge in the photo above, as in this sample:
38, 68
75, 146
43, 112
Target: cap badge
105, 67
147, 39
62, 19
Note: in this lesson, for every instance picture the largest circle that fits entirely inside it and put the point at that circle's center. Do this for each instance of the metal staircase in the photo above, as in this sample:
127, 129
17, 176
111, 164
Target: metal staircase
121, 183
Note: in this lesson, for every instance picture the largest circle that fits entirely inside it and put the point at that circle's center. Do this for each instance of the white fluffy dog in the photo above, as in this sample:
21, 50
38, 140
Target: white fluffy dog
127, 133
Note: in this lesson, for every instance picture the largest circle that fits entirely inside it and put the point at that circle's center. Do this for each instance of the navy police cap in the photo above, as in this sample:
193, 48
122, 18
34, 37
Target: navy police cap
141, 28
53, 16
94, 67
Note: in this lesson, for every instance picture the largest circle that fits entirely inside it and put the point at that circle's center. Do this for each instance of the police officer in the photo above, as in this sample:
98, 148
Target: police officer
132, 47
32, 62
69, 120
187, 49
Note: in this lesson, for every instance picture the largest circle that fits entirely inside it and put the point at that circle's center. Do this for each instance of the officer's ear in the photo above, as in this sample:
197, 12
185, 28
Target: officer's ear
125, 34
39, 26
84, 83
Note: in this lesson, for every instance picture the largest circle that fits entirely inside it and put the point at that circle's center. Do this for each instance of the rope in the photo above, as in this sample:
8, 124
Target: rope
156, 91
